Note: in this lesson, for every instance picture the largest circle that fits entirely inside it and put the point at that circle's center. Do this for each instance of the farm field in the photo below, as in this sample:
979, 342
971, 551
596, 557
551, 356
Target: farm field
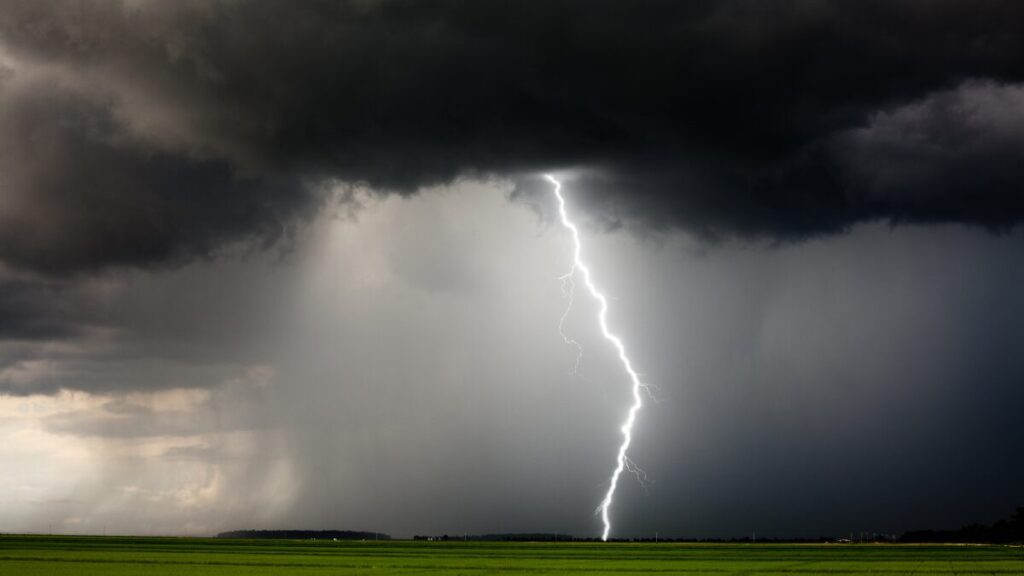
86, 556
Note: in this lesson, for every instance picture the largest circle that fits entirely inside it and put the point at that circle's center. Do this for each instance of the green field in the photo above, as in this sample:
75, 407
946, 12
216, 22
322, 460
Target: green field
60, 555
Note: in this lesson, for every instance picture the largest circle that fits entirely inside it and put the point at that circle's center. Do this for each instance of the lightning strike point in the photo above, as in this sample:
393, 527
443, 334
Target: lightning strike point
622, 462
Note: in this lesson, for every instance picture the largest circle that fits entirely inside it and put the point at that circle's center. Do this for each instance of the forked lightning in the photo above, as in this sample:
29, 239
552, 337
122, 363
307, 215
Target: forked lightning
622, 462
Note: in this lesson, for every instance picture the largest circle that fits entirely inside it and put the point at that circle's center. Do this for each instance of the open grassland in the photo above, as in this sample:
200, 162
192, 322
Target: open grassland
86, 556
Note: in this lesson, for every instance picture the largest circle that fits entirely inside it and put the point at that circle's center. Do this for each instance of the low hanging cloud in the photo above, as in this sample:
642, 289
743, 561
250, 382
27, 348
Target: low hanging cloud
955, 154
136, 133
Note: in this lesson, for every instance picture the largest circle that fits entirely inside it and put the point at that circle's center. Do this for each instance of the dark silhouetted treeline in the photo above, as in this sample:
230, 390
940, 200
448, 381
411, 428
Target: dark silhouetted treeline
525, 537
550, 537
305, 535
1009, 531
519, 537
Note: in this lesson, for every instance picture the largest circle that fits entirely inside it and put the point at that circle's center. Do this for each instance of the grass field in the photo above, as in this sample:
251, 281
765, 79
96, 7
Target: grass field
66, 555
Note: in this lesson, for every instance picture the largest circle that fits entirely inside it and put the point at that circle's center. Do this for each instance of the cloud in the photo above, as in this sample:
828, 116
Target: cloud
81, 193
953, 154
201, 325
26, 313
140, 133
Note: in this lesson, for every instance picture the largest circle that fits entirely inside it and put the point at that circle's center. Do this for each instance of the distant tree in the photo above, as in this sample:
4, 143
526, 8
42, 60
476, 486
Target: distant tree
1008, 531
305, 535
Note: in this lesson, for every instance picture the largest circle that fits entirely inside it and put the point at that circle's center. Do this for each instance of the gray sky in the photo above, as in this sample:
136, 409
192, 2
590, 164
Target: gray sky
292, 266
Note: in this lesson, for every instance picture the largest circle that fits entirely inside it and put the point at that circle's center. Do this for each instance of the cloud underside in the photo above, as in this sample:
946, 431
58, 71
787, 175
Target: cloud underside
140, 133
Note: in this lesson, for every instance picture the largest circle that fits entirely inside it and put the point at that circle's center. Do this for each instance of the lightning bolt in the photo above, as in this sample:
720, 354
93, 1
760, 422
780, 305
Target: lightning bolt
622, 462
569, 291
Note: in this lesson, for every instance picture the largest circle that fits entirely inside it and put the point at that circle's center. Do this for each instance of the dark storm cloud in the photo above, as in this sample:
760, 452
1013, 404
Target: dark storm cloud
147, 330
952, 155
80, 195
25, 312
142, 132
